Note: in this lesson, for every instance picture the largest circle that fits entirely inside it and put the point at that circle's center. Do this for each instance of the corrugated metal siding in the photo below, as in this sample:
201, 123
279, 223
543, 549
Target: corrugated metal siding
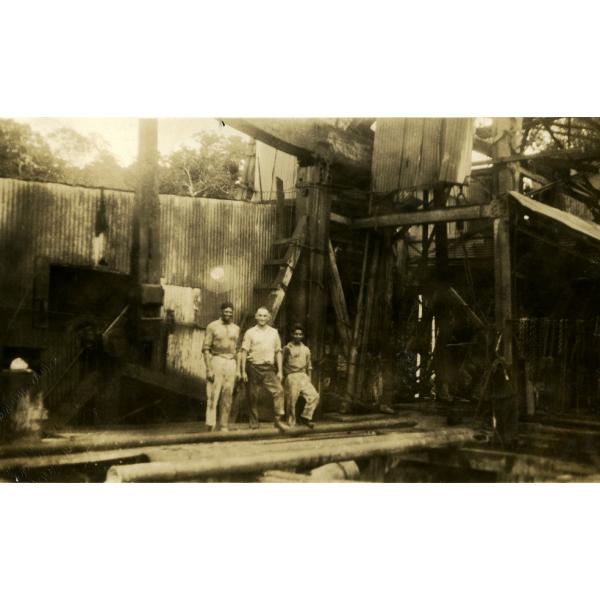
270, 164
184, 354
57, 221
413, 154
201, 234
197, 234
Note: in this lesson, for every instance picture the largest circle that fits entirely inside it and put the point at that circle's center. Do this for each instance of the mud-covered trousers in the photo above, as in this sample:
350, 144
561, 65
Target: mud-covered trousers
263, 376
296, 384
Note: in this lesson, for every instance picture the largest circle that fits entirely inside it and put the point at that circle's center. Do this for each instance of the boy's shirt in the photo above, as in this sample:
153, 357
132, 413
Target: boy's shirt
296, 358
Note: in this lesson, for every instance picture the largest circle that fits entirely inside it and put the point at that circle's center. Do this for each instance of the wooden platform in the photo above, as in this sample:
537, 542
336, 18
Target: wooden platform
560, 448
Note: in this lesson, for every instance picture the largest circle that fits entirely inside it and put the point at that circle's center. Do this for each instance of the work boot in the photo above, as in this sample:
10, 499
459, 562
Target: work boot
210, 428
283, 427
308, 422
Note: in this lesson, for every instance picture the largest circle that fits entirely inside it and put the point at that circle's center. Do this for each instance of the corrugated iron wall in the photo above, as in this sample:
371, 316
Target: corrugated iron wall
184, 354
57, 221
216, 247
212, 250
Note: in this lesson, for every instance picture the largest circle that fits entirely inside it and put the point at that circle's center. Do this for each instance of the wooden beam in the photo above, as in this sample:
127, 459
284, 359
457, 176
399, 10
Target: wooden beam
313, 139
317, 237
145, 249
339, 302
280, 224
292, 256
456, 297
353, 355
422, 217
364, 341
556, 154
165, 381
534, 176
507, 410
249, 127
340, 219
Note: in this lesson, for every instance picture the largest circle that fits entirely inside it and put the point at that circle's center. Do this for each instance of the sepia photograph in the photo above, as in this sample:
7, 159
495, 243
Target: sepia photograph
300, 299
253, 243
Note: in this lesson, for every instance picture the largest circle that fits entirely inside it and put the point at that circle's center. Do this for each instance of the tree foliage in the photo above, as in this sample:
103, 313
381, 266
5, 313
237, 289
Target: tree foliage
549, 133
209, 167
25, 154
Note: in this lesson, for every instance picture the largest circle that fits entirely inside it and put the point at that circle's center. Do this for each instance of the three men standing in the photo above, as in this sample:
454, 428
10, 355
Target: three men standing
259, 363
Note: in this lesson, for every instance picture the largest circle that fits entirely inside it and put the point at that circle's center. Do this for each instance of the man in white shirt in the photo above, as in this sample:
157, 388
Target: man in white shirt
220, 356
261, 366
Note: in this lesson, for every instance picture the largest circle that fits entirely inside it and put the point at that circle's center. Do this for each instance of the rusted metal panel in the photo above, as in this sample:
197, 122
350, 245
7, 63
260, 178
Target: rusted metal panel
410, 154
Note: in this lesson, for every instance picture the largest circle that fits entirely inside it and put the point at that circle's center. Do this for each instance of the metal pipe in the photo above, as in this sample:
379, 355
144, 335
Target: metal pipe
109, 440
325, 451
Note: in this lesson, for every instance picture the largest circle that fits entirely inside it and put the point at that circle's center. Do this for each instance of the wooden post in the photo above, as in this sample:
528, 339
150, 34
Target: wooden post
308, 297
353, 354
364, 342
280, 214
442, 317
145, 252
506, 180
339, 303
147, 205
424, 327
297, 302
319, 206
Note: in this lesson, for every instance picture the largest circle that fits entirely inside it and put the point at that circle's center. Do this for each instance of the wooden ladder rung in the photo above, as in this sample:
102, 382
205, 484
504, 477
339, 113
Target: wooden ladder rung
277, 262
286, 241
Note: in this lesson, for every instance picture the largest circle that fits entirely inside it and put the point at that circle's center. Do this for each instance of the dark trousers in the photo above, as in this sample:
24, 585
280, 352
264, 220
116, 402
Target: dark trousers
265, 377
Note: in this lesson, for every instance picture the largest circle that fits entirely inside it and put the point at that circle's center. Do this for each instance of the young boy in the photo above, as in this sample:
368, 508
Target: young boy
297, 368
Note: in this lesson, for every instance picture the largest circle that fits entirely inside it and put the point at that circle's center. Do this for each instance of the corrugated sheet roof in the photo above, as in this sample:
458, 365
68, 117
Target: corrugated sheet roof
573, 222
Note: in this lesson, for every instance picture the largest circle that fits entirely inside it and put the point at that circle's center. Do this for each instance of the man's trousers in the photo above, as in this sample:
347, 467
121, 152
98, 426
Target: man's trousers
224, 371
265, 377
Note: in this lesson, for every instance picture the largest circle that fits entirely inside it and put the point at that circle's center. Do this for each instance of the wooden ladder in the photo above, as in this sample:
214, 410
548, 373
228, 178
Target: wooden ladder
292, 250
286, 265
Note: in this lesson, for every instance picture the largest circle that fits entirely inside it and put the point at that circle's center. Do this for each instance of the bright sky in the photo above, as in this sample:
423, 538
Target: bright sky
122, 134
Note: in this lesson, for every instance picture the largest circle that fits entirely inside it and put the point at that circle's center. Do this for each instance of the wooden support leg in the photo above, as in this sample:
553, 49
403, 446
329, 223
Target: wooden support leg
353, 358
507, 409
370, 302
